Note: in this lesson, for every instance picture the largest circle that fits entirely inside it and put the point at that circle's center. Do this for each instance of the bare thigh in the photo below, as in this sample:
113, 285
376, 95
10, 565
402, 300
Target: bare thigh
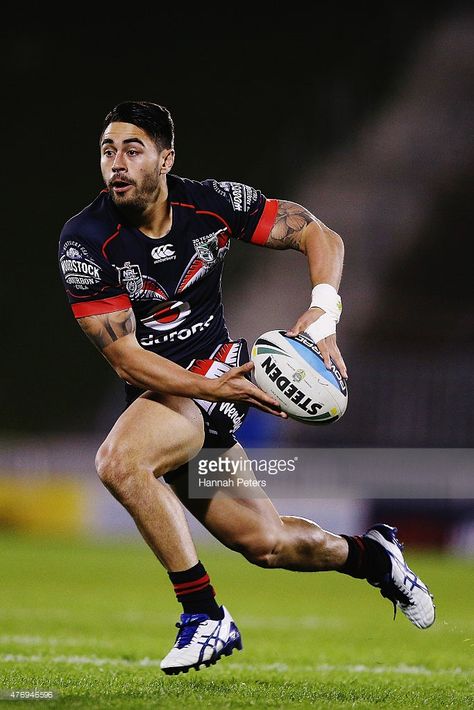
158, 432
245, 523
251, 525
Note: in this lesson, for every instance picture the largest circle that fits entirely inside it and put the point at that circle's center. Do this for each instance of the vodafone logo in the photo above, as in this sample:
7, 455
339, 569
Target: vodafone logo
165, 252
167, 315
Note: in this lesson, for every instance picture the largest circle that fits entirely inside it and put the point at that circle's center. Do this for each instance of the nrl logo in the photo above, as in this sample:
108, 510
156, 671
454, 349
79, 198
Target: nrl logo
130, 276
298, 375
207, 247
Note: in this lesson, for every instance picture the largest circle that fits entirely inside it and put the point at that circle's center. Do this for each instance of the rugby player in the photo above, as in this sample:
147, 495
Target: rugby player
142, 267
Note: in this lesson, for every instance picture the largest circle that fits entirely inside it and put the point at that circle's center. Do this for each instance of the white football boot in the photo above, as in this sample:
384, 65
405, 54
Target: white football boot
200, 642
401, 585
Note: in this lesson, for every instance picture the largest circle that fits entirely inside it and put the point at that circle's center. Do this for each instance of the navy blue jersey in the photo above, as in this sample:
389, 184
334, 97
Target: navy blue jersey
172, 283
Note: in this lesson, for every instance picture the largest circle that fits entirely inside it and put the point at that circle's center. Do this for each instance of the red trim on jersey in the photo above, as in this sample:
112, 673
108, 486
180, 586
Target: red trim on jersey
265, 223
214, 214
201, 367
193, 269
223, 352
183, 204
104, 305
109, 239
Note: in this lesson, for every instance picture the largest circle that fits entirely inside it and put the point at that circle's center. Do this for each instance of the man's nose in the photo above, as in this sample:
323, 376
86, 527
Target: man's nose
118, 163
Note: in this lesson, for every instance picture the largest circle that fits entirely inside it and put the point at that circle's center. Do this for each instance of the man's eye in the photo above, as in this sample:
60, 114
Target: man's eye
132, 151
108, 153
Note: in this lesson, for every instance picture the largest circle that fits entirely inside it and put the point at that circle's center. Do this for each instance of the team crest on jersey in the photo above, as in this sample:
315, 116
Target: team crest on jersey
207, 248
209, 252
131, 278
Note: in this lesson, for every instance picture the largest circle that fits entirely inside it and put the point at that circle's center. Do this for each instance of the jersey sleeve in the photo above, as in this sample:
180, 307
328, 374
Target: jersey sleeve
90, 281
250, 214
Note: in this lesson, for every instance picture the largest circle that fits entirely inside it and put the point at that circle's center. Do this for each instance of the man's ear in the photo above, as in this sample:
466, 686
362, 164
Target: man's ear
168, 161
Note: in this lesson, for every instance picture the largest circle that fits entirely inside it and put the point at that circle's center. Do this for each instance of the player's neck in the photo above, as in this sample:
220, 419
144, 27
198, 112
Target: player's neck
156, 219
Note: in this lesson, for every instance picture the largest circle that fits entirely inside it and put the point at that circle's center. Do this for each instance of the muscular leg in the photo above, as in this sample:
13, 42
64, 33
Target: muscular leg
154, 435
252, 526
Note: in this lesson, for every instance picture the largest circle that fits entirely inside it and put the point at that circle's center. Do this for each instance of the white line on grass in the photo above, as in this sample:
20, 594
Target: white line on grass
401, 669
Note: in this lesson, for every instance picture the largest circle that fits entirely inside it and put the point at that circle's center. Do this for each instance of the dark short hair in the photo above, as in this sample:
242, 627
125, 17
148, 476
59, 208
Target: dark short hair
154, 119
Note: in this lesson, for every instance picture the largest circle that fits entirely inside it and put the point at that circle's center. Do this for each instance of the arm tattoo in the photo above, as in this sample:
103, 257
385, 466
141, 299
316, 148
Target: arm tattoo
290, 222
105, 329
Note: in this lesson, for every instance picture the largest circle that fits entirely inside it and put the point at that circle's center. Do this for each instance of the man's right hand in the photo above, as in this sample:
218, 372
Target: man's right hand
233, 386
114, 335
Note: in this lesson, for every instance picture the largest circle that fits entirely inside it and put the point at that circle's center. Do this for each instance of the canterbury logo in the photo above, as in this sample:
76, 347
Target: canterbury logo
163, 253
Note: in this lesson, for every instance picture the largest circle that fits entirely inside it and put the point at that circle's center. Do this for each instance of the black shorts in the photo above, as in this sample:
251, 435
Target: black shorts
221, 419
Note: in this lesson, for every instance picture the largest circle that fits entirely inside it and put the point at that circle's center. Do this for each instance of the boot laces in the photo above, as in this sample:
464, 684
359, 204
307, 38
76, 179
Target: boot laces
187, 629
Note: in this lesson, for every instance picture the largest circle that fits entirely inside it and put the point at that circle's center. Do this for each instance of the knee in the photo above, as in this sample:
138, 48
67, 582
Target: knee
116, 465
111, 464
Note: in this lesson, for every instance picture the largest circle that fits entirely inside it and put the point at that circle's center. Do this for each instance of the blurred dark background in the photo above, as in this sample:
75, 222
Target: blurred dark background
365, 117
361, 115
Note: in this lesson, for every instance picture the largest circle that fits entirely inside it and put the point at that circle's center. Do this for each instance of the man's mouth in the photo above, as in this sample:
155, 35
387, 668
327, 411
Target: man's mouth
120, 186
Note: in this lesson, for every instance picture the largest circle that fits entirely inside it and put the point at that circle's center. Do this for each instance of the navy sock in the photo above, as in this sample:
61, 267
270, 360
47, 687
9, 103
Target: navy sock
194, 591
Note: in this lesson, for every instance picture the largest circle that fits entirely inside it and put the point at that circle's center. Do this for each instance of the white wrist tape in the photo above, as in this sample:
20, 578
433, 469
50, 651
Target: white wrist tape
325, 296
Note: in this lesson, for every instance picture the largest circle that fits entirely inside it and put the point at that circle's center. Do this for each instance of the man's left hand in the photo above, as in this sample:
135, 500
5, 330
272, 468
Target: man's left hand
327, 346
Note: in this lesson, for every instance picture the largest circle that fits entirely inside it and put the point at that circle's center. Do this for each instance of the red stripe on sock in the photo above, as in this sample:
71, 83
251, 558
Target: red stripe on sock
193, 590
189, 586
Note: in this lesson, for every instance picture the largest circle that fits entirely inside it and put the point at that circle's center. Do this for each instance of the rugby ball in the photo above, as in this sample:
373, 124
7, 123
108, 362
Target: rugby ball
293, 371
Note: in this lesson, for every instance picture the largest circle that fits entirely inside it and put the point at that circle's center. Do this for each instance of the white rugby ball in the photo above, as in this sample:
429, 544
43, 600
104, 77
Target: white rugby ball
293, 371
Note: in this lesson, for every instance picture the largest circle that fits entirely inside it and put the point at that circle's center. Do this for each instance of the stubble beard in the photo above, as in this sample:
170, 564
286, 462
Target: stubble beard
143, 197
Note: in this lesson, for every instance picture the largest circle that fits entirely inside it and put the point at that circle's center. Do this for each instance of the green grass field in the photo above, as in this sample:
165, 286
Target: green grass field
91, 620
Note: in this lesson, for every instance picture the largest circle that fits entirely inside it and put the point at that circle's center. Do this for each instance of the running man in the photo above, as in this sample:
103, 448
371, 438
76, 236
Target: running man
142, 268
